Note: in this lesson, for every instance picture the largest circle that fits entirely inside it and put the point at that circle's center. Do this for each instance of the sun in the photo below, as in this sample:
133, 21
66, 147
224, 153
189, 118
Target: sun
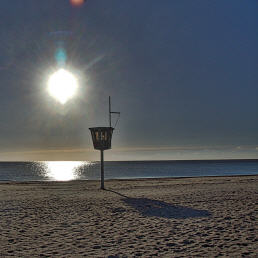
62, 85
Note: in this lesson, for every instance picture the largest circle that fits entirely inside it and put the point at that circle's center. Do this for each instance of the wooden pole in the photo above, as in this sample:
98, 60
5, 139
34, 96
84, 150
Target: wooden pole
109, 101
102, 169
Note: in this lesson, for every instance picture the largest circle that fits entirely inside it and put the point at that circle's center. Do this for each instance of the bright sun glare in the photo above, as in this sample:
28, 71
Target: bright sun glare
62, 85
63, 170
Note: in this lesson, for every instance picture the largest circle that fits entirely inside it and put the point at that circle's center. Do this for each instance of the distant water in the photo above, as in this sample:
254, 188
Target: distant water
75, 170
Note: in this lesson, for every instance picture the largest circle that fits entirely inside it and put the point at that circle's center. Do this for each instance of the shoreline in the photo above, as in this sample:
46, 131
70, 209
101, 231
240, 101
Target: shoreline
175, 217
122, 179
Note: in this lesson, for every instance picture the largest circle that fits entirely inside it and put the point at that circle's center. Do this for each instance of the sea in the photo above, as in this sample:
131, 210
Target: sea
88, 170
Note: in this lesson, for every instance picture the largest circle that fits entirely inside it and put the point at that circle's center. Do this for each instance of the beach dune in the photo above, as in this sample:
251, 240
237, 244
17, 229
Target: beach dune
176, 217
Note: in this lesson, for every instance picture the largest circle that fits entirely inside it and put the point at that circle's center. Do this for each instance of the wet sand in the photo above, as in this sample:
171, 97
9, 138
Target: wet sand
205, 217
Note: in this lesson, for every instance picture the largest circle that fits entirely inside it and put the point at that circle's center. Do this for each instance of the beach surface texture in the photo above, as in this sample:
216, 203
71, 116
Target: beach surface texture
176, 217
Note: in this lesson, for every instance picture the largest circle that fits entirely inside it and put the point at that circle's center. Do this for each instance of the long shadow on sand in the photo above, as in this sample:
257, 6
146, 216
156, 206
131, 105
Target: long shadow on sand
154, 208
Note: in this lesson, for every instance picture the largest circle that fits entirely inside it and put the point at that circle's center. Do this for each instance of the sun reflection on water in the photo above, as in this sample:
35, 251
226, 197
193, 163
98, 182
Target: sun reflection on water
64, 170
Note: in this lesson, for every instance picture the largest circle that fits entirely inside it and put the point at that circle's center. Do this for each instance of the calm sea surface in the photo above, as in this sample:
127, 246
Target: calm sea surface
76, 170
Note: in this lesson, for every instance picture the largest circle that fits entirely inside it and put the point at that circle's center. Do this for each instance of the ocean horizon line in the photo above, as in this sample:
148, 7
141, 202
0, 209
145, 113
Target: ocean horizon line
143, 160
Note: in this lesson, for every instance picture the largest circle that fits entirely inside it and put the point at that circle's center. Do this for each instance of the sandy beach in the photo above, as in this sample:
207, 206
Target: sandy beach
191, 217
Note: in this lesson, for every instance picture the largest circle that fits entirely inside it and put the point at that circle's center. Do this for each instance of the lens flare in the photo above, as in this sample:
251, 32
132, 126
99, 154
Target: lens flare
62, 85
60, 56
77, 3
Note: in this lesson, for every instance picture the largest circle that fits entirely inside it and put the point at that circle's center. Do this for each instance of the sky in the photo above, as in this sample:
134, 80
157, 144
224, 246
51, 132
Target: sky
182, 73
